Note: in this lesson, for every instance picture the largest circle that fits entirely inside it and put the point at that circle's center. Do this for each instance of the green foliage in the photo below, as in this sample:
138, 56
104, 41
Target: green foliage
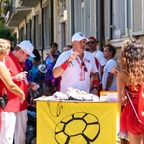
6, 33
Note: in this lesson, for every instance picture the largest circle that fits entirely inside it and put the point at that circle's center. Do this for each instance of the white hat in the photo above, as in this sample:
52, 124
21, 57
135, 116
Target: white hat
27, 47
78, 37
42, 68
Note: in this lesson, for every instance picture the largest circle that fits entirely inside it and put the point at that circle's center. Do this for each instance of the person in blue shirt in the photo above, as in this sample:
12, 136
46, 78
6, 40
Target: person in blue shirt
33, 74
51, 83
39, 79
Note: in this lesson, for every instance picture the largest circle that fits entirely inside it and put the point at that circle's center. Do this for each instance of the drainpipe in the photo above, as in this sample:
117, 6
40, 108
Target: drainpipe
101, 23
42, 32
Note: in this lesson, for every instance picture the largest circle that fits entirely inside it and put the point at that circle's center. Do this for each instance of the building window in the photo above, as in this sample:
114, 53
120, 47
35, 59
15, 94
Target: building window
117, 18
28, 30
37, 37
21, 34
47, 25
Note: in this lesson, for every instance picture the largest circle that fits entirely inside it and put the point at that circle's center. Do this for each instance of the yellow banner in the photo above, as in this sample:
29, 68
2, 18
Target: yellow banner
77, 123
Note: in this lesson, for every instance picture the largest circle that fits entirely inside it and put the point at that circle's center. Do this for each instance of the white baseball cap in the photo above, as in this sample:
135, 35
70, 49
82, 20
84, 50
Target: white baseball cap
42, 68
26, 46
78, 37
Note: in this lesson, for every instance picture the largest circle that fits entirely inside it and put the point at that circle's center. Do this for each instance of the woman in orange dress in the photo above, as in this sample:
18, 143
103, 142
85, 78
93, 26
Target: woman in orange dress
130, 79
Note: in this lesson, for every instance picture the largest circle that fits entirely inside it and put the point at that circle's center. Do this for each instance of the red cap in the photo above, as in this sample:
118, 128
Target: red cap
91, 37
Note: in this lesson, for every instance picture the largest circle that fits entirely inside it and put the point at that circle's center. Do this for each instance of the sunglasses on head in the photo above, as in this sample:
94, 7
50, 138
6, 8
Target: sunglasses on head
90, 42
83, 64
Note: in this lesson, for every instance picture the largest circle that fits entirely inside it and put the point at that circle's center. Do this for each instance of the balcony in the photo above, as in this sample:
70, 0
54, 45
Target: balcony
29, 3
16, 14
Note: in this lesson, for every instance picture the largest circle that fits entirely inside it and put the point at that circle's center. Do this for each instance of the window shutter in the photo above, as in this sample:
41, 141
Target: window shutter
39, 35
137, 17
77, 15
86, 17
94, 18
70, 19
46, 25
107, 18
121, 16
128, 16
33, 31
30, 32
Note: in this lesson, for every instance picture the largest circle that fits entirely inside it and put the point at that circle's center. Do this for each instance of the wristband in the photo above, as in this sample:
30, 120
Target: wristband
95, 87
95, 82
64, 65
106, 89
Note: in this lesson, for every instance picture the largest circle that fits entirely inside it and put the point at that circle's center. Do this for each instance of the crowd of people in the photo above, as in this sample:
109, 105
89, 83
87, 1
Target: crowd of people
23, 76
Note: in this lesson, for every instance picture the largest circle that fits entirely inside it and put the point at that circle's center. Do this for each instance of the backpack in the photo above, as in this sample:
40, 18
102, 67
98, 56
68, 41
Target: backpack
140, 113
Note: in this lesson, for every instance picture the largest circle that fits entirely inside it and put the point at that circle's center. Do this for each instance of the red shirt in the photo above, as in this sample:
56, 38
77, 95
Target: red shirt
1, 89
15, 67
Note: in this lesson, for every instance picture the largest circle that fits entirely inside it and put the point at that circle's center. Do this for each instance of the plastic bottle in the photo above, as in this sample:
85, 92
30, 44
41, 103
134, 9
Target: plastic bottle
127, 33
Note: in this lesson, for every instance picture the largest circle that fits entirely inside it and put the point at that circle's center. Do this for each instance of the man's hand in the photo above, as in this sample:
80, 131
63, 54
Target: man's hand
33, 85
114, 70
73, 55
21, 76
95, 91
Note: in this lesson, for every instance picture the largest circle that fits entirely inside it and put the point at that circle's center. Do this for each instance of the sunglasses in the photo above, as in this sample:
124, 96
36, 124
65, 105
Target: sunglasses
90, 43
83, 64
26, 53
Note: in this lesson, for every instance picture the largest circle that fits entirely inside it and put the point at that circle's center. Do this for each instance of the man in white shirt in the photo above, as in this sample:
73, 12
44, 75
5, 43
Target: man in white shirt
109, 79
77, 67
97, 53
99, 58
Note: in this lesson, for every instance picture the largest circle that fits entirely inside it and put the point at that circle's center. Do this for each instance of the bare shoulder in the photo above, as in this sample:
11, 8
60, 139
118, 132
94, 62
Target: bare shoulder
122, 75
2, 66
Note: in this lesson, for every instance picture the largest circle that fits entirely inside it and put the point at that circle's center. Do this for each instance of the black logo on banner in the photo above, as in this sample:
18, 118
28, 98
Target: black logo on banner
78, 126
